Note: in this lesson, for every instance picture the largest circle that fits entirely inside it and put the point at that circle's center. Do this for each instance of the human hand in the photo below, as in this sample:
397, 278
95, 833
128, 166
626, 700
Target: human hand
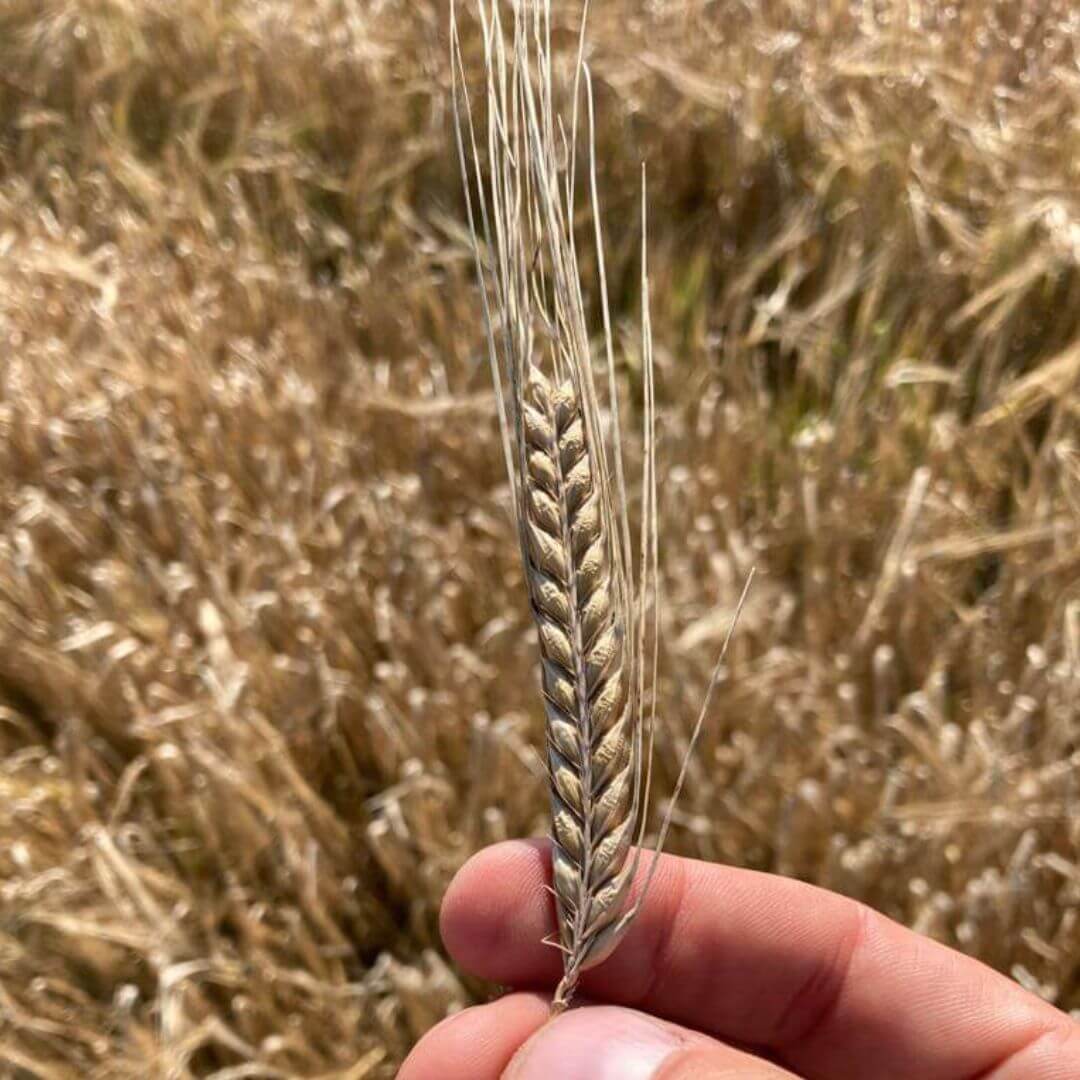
728, 973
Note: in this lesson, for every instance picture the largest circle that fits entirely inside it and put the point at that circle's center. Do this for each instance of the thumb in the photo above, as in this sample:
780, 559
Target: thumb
603, 1042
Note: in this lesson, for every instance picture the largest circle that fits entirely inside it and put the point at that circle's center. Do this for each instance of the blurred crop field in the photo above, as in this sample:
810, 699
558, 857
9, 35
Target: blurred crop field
267, 669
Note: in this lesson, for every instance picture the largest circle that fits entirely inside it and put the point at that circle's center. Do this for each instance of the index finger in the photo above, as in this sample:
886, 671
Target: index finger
825, 984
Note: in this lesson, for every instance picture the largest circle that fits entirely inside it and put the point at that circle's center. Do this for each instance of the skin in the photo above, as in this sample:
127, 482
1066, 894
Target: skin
746, 974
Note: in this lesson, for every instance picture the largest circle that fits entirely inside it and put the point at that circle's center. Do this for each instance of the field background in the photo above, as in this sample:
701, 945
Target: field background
267, 674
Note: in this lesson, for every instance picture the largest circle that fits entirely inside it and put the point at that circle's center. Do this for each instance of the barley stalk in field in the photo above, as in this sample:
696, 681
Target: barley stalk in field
596, 619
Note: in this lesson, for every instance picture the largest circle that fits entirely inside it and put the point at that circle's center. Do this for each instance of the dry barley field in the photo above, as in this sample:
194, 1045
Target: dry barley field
267, 669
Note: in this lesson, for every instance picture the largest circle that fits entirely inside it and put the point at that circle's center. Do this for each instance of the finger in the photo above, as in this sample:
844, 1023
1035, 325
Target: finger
603, 1042
823, 982
1053, 1055
477, 1044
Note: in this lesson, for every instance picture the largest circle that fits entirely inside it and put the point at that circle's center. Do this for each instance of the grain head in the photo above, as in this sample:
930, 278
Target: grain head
565, 468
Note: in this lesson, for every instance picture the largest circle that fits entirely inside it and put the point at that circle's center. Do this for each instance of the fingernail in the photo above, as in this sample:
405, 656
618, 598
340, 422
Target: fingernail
596, 1043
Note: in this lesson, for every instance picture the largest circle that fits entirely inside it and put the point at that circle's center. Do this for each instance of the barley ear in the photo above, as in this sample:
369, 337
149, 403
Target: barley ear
597, 624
